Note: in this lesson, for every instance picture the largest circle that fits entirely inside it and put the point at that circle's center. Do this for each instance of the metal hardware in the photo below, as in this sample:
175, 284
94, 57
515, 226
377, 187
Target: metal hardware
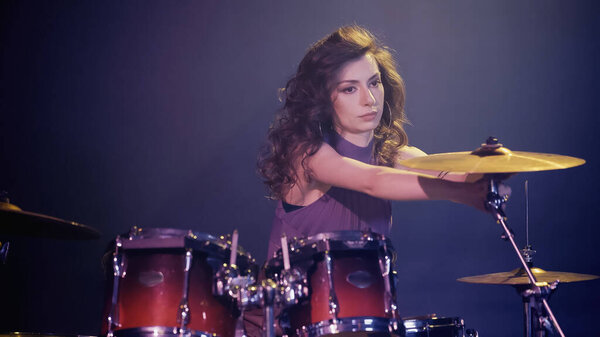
183, 313
494, 204
269, 295
353, 324
436, 326
385, 265
333, 301
294, 286
163, 331
118, 272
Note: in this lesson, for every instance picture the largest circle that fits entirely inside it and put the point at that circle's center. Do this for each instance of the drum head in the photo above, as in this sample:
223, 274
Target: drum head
302, 250
140, 238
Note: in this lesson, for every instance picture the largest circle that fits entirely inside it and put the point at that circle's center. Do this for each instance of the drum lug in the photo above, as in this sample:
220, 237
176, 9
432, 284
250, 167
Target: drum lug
118, 264
183, 312
333, 301
385, 265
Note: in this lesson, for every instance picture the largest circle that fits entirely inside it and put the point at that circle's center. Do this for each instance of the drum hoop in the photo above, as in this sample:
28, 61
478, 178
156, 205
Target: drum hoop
351, 324
142, 233
164, 237
342, 236
434, 322
303, 249
152, 331
38, 334
339, 240
151, 238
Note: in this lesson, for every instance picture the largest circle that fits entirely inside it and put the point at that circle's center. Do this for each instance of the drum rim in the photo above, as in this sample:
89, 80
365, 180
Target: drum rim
160, 330
344, 235
141, 233
305, 247
41, 334
351, 324
212, 243
434, 322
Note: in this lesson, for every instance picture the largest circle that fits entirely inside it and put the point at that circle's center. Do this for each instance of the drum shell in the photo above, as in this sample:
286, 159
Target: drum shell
151, 289
353, 301
142, 305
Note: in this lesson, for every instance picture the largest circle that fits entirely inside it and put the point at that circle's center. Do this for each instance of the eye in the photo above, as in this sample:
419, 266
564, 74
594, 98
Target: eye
375, 83
348, 90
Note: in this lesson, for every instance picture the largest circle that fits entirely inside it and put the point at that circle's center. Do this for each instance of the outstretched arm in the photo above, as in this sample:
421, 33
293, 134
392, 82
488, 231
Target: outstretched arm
328, 167
408, 152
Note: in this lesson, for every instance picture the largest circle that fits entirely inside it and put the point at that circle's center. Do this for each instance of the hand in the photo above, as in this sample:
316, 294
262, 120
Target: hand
475, 194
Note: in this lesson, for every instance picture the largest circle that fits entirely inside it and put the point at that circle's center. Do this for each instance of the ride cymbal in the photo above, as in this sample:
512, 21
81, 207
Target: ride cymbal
14, 221
519, 276
492, 157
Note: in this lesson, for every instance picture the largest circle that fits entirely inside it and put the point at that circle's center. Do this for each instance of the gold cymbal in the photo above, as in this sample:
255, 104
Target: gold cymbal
492, 158
14, 221
519, 276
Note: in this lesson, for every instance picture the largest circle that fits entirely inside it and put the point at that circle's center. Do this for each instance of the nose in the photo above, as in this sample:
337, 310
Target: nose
368, 97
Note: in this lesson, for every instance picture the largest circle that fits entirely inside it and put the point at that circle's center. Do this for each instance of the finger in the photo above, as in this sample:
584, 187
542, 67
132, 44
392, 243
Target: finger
504, 190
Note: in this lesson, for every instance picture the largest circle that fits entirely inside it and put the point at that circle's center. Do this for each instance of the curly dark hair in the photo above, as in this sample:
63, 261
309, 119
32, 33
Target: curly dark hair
297, 132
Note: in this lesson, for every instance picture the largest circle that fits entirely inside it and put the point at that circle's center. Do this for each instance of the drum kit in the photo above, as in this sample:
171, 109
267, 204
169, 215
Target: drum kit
165, 281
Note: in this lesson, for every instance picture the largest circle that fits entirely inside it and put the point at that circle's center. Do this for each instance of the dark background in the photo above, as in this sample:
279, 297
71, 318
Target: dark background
151, 113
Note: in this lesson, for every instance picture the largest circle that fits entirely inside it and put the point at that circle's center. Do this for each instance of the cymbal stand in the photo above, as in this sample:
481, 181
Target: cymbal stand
494, 204
535, 322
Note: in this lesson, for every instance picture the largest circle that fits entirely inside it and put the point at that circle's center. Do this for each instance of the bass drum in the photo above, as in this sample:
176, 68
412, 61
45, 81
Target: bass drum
157, 266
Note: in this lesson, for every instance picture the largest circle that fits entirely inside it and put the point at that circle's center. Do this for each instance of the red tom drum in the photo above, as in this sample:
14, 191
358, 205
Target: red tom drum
350, 280
152, 271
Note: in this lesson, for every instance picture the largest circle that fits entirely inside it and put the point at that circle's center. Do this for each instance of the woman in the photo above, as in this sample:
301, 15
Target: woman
333, 152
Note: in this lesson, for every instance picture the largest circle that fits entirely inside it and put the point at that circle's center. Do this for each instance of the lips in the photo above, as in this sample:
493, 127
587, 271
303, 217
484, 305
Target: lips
369, 115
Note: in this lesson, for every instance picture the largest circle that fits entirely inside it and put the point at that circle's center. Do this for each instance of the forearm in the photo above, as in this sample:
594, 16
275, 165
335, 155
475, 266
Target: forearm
395, 184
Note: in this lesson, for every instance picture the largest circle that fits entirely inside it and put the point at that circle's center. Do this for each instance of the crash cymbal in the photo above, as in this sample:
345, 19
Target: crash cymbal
14, 221
492, 157
519, 276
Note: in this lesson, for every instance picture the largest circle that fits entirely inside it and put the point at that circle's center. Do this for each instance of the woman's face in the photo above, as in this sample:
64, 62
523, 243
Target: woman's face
358, 99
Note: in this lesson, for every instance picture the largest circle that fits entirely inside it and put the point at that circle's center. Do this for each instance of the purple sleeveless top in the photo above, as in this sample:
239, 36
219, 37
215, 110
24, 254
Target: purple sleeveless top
338, 209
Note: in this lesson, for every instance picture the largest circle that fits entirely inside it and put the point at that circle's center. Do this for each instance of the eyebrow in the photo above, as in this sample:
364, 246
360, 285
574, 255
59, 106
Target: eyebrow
376, 75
